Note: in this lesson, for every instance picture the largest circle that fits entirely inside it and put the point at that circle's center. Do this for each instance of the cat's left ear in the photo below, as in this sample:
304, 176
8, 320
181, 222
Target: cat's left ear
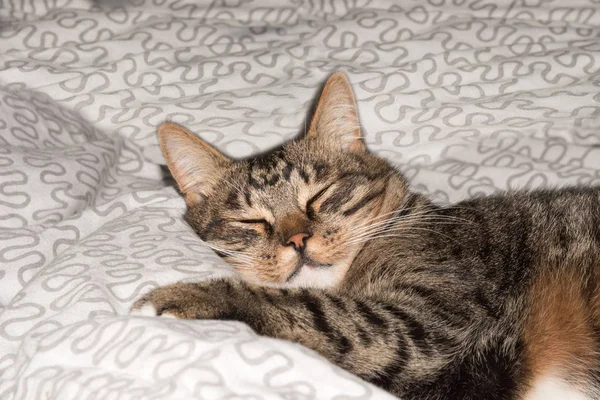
336, 122
196, 166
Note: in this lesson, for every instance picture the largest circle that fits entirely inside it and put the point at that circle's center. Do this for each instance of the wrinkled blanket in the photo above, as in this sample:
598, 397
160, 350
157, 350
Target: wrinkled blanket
467, 97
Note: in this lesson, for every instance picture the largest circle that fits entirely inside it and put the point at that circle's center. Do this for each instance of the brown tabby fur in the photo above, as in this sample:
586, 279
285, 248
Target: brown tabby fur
480, 300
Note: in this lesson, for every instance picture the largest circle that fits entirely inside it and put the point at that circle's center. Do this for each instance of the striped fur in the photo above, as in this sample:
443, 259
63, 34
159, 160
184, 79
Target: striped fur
492, 298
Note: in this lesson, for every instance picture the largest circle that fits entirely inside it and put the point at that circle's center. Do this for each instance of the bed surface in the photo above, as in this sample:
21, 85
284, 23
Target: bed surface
466, 97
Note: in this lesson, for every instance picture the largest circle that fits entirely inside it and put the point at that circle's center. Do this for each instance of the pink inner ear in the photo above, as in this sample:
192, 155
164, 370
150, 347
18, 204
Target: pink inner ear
195, 165
336, 118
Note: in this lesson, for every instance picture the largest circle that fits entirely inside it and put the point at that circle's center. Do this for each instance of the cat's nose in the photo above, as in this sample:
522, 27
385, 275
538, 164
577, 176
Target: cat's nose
298, 240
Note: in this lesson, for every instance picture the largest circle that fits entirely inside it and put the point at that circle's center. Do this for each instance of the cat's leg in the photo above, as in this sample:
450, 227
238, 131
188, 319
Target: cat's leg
377, 341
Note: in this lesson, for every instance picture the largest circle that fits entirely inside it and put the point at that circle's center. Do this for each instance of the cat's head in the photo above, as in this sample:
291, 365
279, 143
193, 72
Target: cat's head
296, 216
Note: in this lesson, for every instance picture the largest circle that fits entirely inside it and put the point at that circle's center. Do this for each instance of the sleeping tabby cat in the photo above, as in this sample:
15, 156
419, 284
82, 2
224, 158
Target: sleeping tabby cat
492, 298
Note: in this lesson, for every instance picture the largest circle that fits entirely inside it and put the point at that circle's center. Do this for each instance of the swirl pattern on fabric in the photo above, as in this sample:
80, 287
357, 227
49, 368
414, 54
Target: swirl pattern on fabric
466, 97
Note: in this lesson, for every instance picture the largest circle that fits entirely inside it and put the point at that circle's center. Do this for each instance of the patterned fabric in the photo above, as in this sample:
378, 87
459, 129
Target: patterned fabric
465, 96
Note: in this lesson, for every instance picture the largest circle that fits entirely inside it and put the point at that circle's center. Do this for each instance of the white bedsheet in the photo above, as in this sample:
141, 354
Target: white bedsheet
467, 97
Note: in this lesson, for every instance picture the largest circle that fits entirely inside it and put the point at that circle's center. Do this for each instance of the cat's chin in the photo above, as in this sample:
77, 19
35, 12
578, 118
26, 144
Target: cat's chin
315, 276
307, 276
311, 274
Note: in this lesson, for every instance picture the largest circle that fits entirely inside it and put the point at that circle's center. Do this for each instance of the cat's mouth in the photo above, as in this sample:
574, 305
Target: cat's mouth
305, 262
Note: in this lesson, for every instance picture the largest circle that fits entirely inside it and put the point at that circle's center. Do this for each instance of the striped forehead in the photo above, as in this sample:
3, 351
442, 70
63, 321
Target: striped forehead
276, 170
272, 179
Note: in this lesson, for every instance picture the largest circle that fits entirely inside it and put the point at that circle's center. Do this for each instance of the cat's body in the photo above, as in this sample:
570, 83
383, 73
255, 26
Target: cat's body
492, 298
515, 284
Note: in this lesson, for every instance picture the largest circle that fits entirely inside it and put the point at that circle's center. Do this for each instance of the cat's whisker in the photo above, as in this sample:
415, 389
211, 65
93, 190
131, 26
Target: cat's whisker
381, 237
408, 230
405, 220
231, 253
387, 229
411, 215
420, 215
410, 218
424, 217
371, 234
405, 225
380, 216
371, 224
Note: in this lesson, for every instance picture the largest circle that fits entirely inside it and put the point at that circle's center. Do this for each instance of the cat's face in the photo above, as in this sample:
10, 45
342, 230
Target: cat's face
293, 217
296, 216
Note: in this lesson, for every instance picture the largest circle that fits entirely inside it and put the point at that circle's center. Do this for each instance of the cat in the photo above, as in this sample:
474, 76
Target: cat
495, 297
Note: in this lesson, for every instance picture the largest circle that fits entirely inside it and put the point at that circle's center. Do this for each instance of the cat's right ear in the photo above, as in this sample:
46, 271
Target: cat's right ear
336, 122
196, 166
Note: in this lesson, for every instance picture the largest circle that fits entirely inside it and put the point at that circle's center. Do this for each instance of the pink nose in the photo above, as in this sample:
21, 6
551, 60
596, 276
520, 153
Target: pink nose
297, 240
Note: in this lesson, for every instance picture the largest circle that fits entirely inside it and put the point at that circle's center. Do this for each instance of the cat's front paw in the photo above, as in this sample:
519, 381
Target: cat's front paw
180, 300
143, 307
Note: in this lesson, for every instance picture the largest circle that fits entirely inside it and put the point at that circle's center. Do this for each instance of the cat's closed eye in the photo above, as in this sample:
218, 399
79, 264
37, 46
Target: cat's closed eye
253, 221
310, 210
259, 223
